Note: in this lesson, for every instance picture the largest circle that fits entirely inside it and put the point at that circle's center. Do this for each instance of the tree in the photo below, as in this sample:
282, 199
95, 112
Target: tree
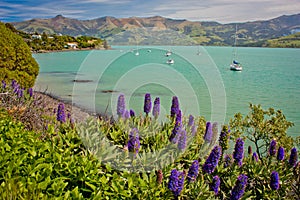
16, 61
260, 127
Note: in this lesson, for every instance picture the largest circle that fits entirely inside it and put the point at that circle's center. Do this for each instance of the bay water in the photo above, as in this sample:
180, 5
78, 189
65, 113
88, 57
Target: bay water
200, 77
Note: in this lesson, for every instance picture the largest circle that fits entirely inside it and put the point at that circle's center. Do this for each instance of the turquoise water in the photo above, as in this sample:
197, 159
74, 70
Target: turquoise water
204, 84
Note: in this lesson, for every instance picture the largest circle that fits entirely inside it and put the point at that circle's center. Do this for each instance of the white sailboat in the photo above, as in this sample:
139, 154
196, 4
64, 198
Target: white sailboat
235, 65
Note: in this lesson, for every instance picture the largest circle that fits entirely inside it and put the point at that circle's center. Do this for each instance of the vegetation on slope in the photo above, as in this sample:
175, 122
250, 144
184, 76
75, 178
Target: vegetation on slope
16, 61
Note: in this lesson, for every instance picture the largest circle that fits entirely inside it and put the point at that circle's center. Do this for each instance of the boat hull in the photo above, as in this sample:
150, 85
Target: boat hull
236, 68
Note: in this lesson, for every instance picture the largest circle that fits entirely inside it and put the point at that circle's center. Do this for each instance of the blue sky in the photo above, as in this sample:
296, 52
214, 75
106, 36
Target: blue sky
223, 11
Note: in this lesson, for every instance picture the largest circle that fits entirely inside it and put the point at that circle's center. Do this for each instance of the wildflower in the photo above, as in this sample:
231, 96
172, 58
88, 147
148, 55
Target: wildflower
215, 185
175, 133
14, 83
274, 182
147, 103
293, 157
3, 84
61, 117
272, 148
20, 93
280, 154
178, 117
255, 157
68, 115
30, 92
208, 132
227, 161
159, 176
193, 171
182, 140
121, 105
212, 160
176, 182
191, 121
224, 138
134, 141
156, 108
239, 188
238, 153
174, 107
126, 114
132, 114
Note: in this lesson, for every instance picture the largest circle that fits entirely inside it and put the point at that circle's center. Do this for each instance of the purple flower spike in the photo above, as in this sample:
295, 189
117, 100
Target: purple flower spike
182, 140
178, 117
239, 188
293, 157
121, 105
127, 114
274, 183
280, 154
20, 93
132, 114
208, 133
61, 117
255, 157
147, 104
215, 185
212, 160
272, 149
191, 121
176, 182
175, 133
156, 107
238, 153
30, 92
14, 83
193, 171
134, 141
3, 84
174, 107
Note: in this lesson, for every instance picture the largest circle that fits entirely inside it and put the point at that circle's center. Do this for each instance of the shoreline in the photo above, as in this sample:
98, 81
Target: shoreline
67, 50
78, 113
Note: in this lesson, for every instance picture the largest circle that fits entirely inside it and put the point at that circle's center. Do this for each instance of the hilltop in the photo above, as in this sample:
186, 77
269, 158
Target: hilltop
161, 30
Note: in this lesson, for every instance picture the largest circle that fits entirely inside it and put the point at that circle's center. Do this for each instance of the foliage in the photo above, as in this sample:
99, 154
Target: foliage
91, 161
16, 61
260, 127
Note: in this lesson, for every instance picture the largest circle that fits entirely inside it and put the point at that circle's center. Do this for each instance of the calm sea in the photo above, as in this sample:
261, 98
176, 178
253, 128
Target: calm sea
204, 84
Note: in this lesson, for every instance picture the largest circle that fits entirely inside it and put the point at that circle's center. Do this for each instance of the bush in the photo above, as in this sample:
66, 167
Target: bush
16, 61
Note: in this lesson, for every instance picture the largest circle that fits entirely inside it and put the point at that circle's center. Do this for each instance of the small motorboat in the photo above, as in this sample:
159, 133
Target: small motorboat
170, 61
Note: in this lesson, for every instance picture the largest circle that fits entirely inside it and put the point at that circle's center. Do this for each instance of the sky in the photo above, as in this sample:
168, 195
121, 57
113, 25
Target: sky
222, 11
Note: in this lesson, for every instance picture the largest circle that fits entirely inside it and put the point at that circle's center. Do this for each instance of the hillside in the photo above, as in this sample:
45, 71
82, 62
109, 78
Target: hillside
160, 30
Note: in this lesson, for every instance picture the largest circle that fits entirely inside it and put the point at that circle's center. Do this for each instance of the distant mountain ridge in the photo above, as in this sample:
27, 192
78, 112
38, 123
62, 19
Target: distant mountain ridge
161, 30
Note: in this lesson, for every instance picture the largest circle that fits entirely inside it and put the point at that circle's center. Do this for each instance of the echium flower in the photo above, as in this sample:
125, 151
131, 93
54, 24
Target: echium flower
126, 114
274, 182
193, 171
175, 133
280, 154
14, 83
272, 148
174, 107
238, 153
60, 115
3, 84
134, 141
215, 185
208, 133
20, 93
212, 160
224, 138
182, 140
178, 117
255, 156
121, 105
293, 157
156, 108
227, 161
30, 92
239, 188
176, 182
147, 103
191, 121
132, 114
